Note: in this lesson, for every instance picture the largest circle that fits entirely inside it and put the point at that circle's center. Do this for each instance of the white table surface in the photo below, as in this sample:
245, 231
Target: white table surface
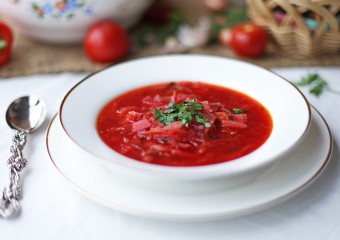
52, 209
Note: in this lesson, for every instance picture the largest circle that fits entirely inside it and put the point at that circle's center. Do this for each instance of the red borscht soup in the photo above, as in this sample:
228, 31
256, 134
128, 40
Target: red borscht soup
184, 124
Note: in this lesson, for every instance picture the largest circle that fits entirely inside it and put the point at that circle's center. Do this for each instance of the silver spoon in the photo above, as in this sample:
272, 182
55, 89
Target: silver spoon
24, 115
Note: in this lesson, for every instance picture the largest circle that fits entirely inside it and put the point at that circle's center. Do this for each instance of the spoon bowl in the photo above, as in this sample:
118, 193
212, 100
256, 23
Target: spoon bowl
26, 114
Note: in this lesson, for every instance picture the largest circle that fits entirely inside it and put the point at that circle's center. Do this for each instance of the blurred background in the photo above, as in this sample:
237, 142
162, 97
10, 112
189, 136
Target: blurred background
51, 36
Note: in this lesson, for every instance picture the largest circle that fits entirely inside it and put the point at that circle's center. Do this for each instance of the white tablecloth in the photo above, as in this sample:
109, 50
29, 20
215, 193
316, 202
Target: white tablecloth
52, 209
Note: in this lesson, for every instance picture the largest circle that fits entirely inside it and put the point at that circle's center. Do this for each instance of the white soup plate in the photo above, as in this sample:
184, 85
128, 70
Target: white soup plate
288, 107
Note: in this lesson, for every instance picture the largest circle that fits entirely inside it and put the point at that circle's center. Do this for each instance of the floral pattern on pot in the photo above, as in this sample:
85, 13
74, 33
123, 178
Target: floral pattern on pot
61, 8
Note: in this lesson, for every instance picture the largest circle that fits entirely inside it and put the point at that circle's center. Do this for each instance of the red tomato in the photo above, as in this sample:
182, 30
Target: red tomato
248, 40
106, 42
6, 41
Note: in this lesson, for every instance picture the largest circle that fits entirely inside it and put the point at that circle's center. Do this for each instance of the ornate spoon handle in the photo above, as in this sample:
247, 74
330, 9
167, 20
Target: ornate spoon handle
9, 203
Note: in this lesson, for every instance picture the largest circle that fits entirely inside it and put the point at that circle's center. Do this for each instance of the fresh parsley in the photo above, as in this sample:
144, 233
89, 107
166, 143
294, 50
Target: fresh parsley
154, 34
238, 111
183, 112
226, 19
3, 44
317, 84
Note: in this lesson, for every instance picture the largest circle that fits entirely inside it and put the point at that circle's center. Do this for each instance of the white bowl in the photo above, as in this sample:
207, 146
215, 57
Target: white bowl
59, 21
289, 109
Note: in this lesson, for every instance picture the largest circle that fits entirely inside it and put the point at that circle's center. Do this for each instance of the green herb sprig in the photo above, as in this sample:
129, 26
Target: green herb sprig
238, 111
226, 19
317, 84
154, 34
3, 44
183, 112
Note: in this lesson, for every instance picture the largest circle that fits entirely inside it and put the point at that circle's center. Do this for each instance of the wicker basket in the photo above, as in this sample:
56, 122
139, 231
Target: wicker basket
299, 28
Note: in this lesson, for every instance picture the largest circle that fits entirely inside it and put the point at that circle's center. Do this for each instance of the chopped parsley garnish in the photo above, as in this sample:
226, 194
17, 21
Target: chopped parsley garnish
183, 112
238, 111
3, 44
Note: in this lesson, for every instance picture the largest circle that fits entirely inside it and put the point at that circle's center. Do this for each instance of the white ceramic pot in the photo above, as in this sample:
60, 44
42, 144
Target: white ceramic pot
66, 21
